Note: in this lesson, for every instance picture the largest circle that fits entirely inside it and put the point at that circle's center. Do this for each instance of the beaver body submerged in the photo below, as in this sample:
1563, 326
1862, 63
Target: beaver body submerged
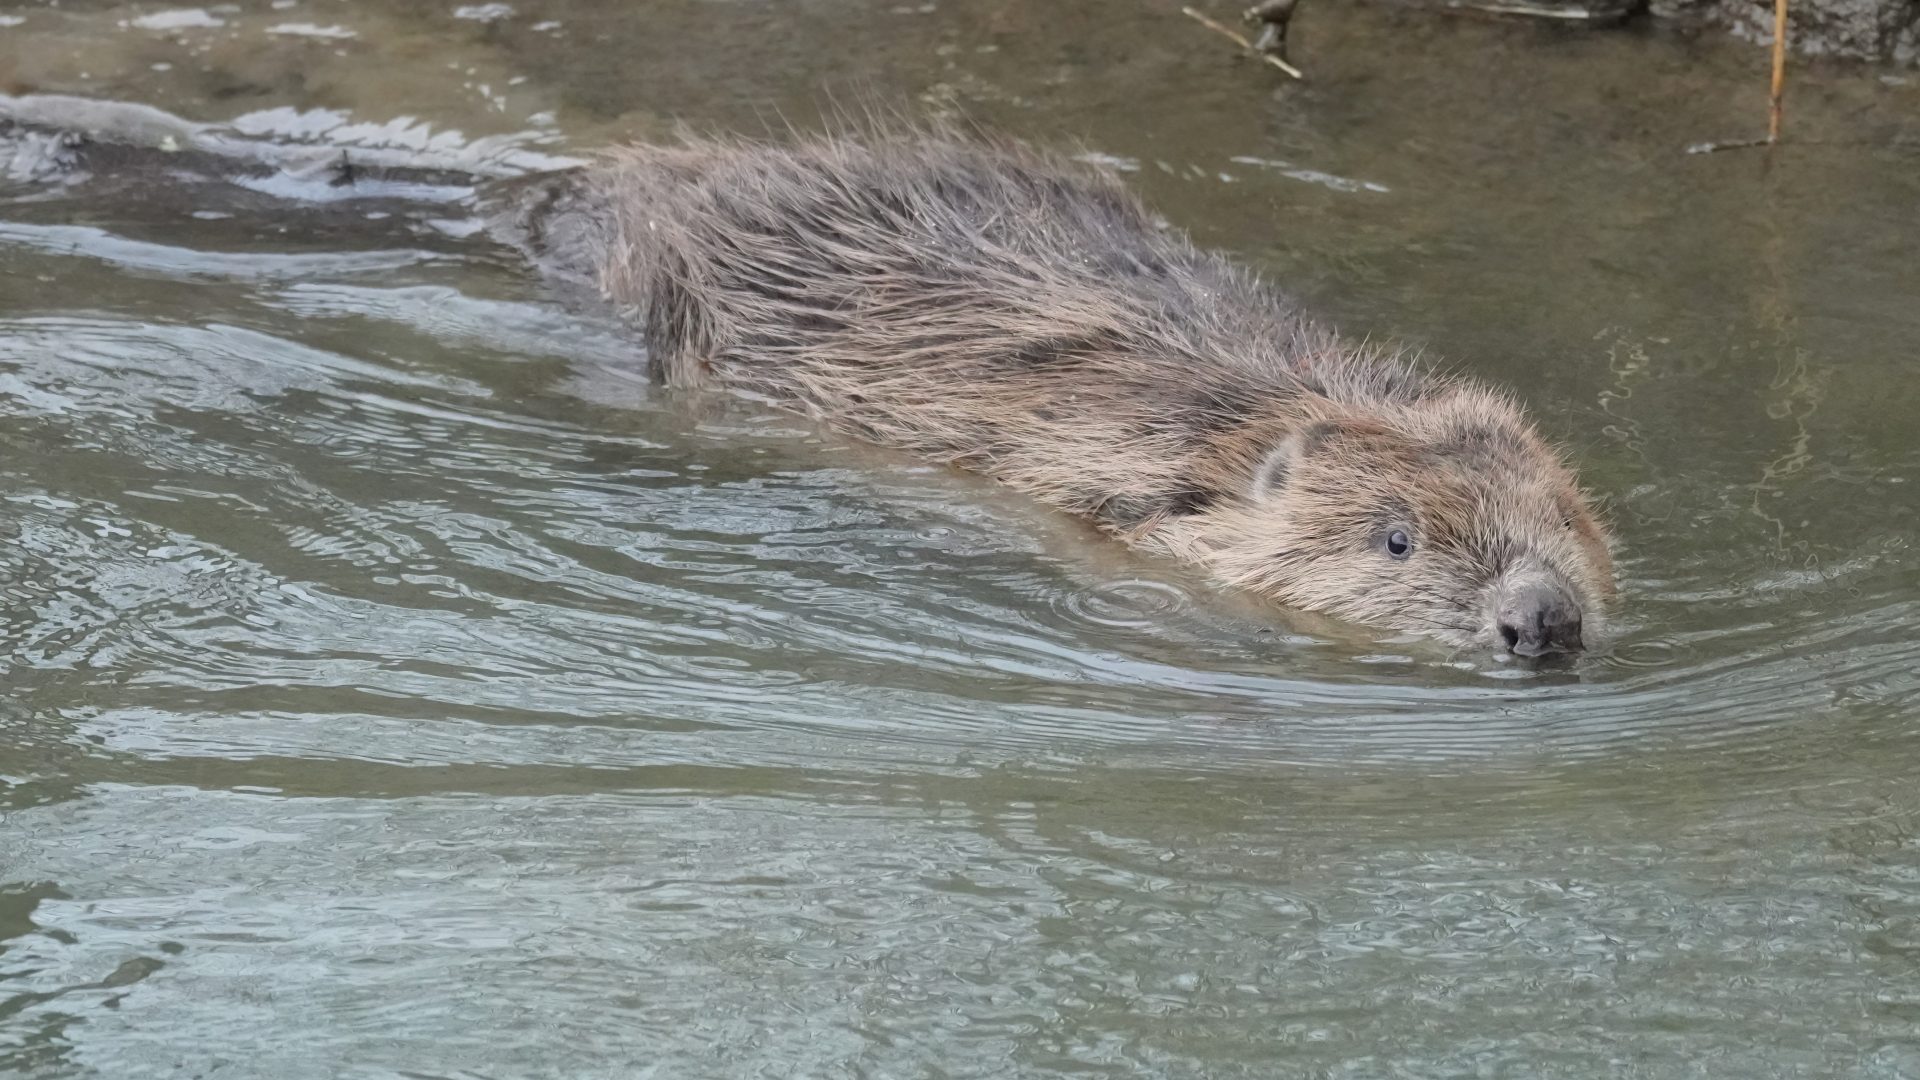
1018, 315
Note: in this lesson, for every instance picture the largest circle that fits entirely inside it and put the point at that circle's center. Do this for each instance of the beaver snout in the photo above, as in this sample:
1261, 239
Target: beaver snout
1540, 618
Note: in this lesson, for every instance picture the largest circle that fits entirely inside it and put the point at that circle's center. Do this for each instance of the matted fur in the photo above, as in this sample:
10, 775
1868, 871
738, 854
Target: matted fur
982, 304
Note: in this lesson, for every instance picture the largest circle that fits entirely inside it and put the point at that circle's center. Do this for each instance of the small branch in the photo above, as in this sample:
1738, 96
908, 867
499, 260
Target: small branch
1241, 40
1779, 92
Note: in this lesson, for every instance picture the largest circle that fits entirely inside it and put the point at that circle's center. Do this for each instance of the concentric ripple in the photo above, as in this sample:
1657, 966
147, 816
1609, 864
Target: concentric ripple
1128, 605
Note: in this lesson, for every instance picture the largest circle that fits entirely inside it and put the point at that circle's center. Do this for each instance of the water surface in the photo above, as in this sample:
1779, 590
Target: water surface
396, 685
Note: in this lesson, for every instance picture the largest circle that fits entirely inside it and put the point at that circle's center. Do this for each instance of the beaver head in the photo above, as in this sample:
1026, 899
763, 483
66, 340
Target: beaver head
1447, 515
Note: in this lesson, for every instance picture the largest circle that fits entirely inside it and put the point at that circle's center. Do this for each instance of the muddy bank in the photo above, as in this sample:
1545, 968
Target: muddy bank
1859, 29
1885, 30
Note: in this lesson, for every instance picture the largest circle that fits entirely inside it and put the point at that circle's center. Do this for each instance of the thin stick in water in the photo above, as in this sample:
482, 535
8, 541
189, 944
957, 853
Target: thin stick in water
1779, 71
1241, 40
1776, 97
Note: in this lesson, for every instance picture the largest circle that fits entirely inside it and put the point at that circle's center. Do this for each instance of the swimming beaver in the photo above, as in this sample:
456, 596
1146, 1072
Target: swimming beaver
986, 305
1010, 312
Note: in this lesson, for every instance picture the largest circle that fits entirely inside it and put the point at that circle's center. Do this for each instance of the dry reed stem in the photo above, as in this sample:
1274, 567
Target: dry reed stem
1778, 96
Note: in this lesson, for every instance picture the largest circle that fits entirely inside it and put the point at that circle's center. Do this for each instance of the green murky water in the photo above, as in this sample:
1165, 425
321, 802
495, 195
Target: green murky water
394, 686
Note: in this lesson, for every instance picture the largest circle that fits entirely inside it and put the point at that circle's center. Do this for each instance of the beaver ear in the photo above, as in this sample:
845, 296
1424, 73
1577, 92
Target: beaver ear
1276, 469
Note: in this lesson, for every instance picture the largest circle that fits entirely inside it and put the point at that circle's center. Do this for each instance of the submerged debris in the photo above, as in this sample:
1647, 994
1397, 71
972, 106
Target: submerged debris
1273, 16
1241, 39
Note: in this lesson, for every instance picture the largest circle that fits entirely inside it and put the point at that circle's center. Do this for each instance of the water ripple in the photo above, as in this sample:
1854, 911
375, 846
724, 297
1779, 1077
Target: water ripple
331, 530
397, 683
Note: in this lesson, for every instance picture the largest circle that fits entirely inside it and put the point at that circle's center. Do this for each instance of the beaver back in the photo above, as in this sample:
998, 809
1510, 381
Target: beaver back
968, 300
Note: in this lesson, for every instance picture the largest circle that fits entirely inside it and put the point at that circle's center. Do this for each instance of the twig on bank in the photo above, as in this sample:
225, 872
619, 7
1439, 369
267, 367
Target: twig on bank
1594, 13
1241, 40
1536, 11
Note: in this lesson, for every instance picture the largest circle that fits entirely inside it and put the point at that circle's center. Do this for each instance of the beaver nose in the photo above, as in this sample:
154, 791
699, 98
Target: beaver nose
1539, 619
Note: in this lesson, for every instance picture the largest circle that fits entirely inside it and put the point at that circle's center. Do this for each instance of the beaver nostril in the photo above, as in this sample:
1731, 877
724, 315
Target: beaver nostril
1536, 619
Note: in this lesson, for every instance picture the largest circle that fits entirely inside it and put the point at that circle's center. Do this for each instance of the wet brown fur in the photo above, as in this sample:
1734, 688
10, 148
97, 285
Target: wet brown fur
986, 305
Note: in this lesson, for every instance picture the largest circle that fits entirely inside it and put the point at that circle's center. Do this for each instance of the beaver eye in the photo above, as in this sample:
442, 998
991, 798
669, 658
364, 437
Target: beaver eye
1399, 544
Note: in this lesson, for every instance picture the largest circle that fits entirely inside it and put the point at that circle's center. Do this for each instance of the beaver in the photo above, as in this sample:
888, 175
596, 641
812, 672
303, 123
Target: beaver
979, 302
1006, 310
